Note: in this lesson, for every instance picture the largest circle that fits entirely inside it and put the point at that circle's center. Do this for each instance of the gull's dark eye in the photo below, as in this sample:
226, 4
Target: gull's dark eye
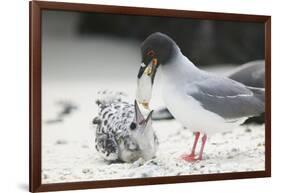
133, 126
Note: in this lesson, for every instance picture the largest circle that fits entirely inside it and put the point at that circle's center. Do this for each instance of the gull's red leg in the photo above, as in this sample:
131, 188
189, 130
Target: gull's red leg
204, 139
191, 156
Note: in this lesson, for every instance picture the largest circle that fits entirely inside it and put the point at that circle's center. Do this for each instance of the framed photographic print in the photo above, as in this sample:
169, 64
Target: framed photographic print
123, 96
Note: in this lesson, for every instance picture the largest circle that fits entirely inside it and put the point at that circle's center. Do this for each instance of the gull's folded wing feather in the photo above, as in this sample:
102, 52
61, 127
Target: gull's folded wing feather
227, 98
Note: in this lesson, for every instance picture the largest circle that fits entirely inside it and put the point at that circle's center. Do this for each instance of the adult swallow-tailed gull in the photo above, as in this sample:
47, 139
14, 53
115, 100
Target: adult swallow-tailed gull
202, 102
122, 132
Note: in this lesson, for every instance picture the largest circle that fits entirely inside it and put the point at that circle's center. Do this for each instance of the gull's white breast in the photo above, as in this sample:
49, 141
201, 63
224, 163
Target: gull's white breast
187, 110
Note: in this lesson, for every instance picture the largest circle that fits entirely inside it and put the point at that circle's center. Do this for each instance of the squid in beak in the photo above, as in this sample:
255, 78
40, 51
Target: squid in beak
145, 82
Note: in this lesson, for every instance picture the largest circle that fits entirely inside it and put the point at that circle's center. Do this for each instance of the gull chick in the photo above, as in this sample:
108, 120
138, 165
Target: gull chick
122, 132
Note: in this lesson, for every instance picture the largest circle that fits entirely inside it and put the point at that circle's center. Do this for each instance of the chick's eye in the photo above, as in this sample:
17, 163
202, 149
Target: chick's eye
133, 126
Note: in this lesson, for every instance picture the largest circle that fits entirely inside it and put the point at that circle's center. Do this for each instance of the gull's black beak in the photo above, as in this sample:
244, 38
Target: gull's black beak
141, 70
148, 70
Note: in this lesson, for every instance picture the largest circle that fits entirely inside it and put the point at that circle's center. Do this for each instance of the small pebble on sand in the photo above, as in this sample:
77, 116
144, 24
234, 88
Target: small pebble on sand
61, 142
85, 171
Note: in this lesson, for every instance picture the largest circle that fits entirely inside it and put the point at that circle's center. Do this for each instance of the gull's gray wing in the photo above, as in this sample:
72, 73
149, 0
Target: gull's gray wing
227, 98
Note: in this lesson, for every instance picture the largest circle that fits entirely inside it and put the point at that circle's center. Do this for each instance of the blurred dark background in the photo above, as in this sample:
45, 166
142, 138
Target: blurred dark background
205, 42
87, 46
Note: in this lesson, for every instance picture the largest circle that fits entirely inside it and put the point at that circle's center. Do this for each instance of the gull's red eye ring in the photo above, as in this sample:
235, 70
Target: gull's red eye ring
151, 53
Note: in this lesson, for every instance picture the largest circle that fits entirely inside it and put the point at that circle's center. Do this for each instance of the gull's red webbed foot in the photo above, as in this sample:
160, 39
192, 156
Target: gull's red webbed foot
191, 157
188, 157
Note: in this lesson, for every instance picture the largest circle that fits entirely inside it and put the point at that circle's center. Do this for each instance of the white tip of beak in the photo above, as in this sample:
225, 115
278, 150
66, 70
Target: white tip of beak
142, 65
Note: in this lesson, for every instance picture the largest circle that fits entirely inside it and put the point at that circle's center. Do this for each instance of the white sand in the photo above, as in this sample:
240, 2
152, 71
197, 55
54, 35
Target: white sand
69, 155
